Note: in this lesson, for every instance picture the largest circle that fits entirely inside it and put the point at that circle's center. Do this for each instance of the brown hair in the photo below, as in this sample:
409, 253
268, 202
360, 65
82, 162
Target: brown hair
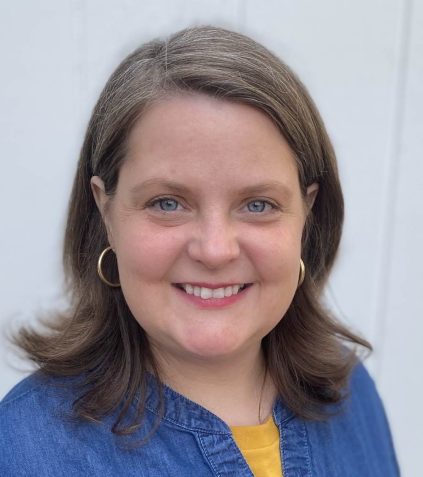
99, 338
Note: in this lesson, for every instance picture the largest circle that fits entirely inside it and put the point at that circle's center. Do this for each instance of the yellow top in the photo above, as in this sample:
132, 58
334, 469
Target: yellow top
260, 447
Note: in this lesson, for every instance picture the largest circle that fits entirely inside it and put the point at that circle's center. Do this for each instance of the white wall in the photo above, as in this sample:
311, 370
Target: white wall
363, 64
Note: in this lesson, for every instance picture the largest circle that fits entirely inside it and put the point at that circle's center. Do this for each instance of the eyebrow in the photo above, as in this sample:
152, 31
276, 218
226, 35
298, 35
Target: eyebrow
176, 187
170, 185
267, 186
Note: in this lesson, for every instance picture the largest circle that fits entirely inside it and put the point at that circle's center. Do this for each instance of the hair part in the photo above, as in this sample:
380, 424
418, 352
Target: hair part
99, 338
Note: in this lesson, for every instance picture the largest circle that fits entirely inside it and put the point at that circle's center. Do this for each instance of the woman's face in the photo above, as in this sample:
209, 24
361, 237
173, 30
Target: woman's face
206, 225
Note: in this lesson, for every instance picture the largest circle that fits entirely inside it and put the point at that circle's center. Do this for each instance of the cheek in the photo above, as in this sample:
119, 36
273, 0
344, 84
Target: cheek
276, 253
145, 253
278, 273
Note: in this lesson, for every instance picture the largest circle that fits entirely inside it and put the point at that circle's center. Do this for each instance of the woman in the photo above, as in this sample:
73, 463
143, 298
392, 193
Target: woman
204, 220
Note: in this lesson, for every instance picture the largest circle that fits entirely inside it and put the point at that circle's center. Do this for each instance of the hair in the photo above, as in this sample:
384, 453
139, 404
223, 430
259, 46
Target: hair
98, 338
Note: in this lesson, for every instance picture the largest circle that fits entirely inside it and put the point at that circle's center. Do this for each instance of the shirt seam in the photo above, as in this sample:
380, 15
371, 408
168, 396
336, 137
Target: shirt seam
310, 472
206, 454
33, 390
188, 428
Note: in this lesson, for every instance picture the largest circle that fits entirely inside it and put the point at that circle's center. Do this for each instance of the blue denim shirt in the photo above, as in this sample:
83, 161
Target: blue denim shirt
37, 438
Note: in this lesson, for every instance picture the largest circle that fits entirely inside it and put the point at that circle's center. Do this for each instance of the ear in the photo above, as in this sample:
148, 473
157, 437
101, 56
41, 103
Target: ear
311, 194
101, 199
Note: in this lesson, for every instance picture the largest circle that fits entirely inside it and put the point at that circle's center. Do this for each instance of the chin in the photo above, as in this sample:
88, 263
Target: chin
212, 346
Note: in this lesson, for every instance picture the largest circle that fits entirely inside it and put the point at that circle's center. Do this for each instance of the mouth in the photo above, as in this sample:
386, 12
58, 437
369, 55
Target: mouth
207, 293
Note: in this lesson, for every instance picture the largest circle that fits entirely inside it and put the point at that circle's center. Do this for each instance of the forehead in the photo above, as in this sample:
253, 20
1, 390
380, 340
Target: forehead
196, 136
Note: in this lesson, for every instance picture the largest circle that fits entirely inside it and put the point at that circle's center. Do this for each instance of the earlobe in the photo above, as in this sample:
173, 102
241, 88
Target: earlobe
311, 194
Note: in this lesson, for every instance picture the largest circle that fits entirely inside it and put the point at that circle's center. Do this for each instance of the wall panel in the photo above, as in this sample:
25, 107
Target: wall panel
400, 374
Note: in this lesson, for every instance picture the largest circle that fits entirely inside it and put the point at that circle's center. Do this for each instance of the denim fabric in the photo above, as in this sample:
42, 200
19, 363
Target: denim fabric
38, 437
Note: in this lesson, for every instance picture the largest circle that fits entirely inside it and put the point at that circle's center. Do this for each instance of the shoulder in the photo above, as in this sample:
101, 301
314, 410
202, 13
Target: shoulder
361, 383
33, 405
23, 390
360, 378
363, 399
363, 407
357, 435
39, 436
36, 394
36, 427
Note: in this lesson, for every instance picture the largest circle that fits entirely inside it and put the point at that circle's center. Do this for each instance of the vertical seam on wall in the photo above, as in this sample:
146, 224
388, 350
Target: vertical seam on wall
391, 187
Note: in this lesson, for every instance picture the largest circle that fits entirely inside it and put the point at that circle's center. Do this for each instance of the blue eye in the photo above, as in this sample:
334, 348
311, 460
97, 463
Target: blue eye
258, 206
166, 204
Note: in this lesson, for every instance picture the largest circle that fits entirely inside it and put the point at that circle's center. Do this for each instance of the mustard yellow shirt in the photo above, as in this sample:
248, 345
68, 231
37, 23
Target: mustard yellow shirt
260, 447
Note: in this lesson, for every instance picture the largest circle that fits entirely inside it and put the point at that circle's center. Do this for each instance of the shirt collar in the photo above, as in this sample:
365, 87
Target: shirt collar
181, 411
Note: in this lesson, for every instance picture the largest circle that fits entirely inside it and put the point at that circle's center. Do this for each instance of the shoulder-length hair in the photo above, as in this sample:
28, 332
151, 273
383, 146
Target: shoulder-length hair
99, 338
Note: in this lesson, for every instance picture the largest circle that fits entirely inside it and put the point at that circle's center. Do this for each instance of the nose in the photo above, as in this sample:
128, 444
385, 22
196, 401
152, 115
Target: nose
214, 242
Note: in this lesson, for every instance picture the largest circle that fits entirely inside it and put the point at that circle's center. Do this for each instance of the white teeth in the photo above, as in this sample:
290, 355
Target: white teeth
228, 291
219, 293
206, 293
189, 289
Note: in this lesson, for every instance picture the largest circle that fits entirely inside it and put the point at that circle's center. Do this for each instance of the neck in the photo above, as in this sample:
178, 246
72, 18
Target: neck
236, 389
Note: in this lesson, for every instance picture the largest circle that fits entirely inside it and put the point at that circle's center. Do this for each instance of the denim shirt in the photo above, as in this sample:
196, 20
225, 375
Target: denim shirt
37, 438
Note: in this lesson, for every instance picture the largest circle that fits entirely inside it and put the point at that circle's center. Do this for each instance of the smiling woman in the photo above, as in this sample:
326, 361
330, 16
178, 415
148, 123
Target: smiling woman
178, 248
205, 217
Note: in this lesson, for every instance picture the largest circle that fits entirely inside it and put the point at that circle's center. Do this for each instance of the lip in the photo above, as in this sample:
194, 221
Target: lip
211, 303
212, 286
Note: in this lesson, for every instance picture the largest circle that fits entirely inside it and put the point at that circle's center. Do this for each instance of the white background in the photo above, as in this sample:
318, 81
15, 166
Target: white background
363, 64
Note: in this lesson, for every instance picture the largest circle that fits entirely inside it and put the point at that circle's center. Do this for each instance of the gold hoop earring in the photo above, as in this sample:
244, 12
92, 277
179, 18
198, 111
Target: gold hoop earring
302, 273
100, 270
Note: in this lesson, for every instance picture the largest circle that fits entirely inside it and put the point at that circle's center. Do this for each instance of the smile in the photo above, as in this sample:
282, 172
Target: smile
206, 293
